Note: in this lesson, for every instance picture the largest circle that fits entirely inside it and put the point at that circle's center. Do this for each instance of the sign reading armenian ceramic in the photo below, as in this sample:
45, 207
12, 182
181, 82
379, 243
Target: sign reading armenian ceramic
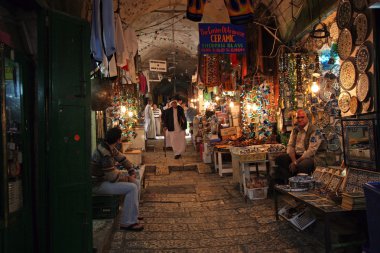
157, 65
221, 39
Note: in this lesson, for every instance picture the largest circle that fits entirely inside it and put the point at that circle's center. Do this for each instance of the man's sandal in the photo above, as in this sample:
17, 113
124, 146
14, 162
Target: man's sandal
133, 227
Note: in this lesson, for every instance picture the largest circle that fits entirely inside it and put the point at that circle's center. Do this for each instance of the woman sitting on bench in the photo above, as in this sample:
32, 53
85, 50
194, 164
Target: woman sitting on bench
110, 180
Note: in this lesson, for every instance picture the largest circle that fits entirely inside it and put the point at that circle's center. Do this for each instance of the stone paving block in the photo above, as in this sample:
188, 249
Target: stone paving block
163, 244
226, 249
162, 170
190, 204
213, 213
204, 168
203, 226
166, 227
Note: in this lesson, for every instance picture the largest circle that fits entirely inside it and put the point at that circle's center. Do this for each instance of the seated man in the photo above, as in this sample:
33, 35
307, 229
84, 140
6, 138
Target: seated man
302, 146
109, 180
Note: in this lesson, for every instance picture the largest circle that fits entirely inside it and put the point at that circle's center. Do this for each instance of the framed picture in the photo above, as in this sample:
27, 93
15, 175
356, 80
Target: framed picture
359, 143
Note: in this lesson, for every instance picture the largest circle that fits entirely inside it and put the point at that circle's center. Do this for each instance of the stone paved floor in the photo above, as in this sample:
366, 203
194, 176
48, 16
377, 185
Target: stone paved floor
185, 211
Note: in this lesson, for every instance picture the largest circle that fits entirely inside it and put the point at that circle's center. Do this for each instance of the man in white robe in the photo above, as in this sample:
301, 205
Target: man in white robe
176, 124
149, 126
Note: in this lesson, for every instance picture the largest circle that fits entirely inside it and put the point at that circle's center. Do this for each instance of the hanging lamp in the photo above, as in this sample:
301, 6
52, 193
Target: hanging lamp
320, 30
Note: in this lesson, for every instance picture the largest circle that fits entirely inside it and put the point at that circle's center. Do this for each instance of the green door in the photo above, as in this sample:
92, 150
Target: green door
15, 198
68, 135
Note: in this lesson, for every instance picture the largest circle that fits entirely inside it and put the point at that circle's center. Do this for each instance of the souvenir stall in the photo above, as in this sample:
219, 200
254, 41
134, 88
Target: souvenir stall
331, 73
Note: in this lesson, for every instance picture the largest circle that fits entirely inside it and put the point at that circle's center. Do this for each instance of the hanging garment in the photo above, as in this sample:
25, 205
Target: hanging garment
149, 126
212, 70
240, 11
131, 42
108, 68
143, 84
121, 47
102, 33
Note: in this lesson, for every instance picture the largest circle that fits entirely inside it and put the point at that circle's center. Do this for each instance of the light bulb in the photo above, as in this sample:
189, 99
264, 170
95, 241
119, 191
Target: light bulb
231, 104
255, 107
123, 109
130, 114
249, 107
217, 98
314, 87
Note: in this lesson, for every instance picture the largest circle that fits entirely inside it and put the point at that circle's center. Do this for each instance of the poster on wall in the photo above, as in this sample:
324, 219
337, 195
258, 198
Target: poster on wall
221, 39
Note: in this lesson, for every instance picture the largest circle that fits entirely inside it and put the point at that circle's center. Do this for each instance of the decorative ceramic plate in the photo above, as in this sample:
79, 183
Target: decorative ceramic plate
345, 44
334, 144
359, 5
334, 32
360, 28
362, 88
329, 132
347, 75
343, 15
344, 101
326, 89
354, 104
363, 59
366, 105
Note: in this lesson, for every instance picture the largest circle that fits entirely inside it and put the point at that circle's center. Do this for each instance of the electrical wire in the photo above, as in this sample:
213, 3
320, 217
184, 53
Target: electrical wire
161, 29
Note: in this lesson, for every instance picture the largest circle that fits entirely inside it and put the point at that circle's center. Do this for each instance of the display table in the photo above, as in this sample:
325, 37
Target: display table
326, 207
221, 166
261, 156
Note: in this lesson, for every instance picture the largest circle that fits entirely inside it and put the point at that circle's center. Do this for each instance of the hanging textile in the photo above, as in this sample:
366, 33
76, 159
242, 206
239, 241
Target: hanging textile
240, 11
143, 84
102, 33
211, 70
120, 44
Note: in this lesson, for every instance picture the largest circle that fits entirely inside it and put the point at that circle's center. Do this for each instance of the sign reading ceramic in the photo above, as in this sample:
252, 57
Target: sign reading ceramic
157, 65
221, 39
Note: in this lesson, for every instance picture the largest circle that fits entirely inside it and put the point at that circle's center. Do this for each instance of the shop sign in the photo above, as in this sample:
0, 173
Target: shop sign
157, 65
8, 73
221, 39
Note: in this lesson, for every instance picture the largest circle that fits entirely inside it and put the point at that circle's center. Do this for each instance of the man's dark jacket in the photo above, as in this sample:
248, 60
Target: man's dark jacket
169, 120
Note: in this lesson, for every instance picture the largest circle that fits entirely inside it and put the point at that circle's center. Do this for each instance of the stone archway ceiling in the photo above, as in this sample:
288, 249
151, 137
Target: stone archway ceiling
165, 34
152, 20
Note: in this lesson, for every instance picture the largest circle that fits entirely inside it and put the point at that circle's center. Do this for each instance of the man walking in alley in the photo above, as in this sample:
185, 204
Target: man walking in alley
176, 124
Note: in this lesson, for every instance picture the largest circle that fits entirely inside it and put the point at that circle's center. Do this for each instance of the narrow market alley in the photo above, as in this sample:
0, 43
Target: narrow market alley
187, 211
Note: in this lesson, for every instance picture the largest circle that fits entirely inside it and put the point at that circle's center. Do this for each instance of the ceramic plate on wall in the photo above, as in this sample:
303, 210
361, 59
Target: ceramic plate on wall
359, 5
360, 28
347, 75
363, 59
362, 88
345, 44
354, 104
366, 105
343, 14
344, 101
334, 32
